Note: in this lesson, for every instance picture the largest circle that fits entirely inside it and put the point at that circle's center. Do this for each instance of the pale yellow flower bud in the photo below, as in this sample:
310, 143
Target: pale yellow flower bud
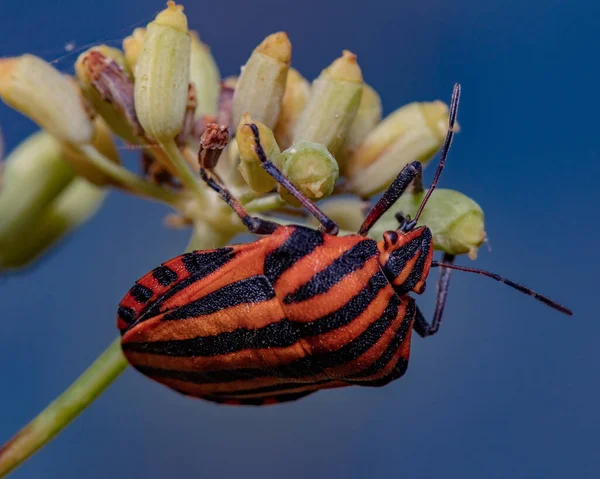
162, 74
367, 118
132, 47
414, 132
204, 74
250, 166
334, 100
261, 85
295, 98
39, 91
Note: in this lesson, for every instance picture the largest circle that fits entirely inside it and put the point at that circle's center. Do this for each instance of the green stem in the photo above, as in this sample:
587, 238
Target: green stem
64, 409
185, 174
89, 385
128, 181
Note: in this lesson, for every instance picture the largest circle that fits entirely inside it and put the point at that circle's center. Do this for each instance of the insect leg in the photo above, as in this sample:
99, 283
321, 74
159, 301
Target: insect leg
327, 224
254, 225
398, 186
421, 326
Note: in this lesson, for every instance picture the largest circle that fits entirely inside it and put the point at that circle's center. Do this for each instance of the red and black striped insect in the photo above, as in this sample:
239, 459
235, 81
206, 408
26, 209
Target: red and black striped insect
294, 312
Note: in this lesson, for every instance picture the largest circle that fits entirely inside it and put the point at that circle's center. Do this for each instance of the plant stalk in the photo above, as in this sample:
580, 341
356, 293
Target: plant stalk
58, 414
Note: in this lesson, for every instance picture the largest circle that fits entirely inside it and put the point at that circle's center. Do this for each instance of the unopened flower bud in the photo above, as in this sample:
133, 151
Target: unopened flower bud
132, 47
367, 117
455, 220
109, 89
334, 100
250, 165
33, 175
75, 204
162, 74
312, 168
204, 74
295, 98
39, 91
413, 132
261, 84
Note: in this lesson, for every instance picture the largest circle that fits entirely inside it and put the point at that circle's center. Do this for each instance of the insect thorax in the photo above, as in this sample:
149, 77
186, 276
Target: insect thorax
405, 258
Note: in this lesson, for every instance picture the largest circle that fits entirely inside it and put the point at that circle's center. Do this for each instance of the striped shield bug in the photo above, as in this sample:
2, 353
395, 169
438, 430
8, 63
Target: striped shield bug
296, 311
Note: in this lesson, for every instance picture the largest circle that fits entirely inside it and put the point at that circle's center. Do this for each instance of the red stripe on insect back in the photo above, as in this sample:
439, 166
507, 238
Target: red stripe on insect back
169, 278
319, 305
245, 315
320, 258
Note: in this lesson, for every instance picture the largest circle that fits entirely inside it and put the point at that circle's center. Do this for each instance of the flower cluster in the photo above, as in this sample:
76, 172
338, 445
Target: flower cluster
163, 94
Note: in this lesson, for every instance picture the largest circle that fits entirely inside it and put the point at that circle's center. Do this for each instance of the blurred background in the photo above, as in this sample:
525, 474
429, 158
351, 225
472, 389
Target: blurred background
508, 388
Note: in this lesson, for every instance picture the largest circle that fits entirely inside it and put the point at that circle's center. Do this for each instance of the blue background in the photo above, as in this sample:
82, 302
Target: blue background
508, 388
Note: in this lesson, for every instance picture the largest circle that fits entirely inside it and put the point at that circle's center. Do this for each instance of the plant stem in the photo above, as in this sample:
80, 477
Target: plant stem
128, 181
185, 174
64, 409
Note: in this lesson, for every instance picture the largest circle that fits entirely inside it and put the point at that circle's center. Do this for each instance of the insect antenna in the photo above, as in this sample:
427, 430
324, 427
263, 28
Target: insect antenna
445, 148
512, 284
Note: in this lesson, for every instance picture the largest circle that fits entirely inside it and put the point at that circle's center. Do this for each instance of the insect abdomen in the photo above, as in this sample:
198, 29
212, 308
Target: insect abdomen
280, 334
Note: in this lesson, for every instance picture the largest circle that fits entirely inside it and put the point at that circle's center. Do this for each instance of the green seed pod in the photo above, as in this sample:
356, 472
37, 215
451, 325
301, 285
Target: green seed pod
367, 117
250, 166
132, 47
35, 88
295, 98
261, 84
109, 89
311, 168
333, 103
348, 213
413, 132
455, 220
162, 74
77, 203
34, 174
204, 74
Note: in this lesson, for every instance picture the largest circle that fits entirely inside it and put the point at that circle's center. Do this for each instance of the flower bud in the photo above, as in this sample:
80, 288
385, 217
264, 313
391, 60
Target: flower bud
204, 74
39, 91
77, 203
250, 166
311, 168
261, 84
333, 103
295, 98
109, 89
455, 220
348, 213
132, 47
413, 132
367, 117
162, 74
33, 175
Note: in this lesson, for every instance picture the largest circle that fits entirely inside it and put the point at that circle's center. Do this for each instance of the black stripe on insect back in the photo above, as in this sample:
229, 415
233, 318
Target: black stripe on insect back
213, 260
126, 314
141, 293
278, 334
300, 243
324, 280
254, 289
303, 367
164, 275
